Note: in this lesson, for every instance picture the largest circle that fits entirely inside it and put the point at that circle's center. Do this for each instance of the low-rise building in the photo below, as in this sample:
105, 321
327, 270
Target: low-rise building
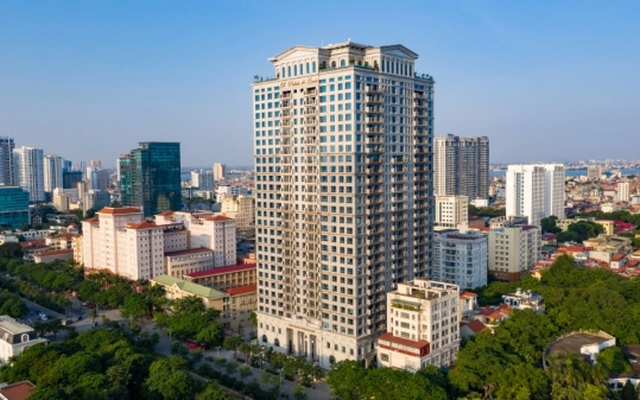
609, 243
523, 300
422, 326
225, 277
176, 288
15, 337
452, 212
188, 261
53, 255
17, 391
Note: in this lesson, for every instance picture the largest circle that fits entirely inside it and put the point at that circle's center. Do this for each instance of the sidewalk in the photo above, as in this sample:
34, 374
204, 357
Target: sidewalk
321, 391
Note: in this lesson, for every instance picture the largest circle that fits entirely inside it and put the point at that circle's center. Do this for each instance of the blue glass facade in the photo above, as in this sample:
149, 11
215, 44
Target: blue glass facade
150, 178
14, 207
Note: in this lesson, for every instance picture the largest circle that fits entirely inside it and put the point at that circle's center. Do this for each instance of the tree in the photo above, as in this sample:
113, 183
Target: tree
244, 371
298, 393
169, 378
12, 305
11, 250
212, 334
346, 380
189, 304
628, 391
549, 225
213, 391
614, 360
135, 306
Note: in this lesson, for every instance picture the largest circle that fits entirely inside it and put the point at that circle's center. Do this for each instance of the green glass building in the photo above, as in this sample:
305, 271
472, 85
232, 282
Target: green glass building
150, 177
14, 207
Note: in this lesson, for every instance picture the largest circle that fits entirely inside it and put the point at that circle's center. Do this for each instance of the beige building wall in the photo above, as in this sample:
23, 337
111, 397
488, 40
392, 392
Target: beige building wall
513, 251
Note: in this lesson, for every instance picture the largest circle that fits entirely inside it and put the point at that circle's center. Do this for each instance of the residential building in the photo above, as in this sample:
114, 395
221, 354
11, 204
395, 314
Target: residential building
150, 177
526, 192
215, 232
15, 337
53, 167
523, 300
7, 165
241, 208
17, 391
62, 202
95, 200
422, 326
608, 226
223, 278
554, 190
461, 259
623, 192
188, 261
513, 251
202, 180
229, 190
30, 172
343, 195
14, 207
452, 212
461, 166
594, 172
53, 255
219, 171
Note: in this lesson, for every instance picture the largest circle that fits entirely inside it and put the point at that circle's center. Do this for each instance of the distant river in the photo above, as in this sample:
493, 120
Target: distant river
571, 172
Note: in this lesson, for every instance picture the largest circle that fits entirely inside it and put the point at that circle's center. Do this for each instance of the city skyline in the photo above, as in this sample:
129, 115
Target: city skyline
80, 80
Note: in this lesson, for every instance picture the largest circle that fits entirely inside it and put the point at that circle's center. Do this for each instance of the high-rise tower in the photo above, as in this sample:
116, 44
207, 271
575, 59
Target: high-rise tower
535, 191
30, 172
150, 177
344, 195
7, 165
53, 167
461, 166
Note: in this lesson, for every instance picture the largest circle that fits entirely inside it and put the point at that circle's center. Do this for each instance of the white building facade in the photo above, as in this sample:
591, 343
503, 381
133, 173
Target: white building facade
461, 259
53, 167
15, 337
219, 171
343, 195
623, 193
554, 190
526, 192
423, 326
29, 172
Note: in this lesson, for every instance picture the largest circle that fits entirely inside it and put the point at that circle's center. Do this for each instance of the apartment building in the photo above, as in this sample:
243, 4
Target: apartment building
461, 166
422, 326
535, 191
240, 208
460, 259
343, 157
452, 212
513, 251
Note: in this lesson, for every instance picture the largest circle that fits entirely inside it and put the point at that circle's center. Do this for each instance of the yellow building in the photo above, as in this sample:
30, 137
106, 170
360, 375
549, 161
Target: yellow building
241, 208
608, 226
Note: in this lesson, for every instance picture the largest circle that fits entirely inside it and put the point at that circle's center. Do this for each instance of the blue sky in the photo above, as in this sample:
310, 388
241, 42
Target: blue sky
545, 80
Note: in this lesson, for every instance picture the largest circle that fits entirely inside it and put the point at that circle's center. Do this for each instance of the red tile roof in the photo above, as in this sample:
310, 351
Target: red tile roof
234, 291
167, 213
618, 257
119, 210
217, 218
476, 326
416, 344
468, 294
221, 270
143, 225
55, 252
92, 220
18, 391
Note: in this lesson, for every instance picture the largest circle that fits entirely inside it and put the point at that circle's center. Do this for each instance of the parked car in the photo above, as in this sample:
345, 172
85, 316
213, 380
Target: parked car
192, 344
66, 322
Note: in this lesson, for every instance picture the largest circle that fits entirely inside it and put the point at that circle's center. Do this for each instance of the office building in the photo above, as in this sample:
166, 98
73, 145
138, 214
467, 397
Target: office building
7, 166
343, 195
623, 192
53, 167
461, 166
14, 207
452, 212
422, 326
30, 172
95, 200
70, 179
219, 171
461, 259
150, 178
513, 251
99, 179
202, 180
535, 191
